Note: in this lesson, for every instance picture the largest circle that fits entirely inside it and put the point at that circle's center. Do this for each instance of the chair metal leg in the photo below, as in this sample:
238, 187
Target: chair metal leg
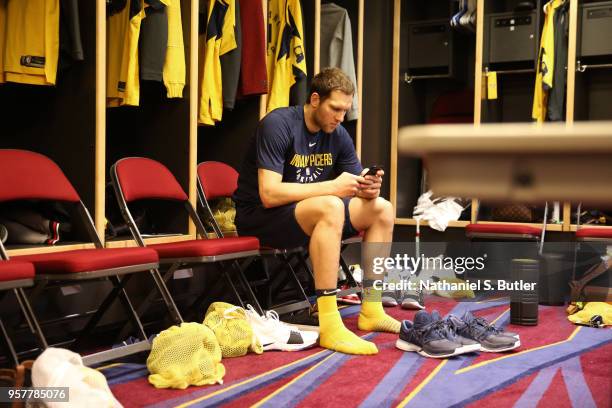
129, 308
202, 299
146, 303
9, 344
245, 284
229, 281
102, 309
165, 294
347, 271
26, 309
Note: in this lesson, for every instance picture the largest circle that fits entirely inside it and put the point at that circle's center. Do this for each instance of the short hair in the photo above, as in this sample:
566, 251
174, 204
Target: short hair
331, 79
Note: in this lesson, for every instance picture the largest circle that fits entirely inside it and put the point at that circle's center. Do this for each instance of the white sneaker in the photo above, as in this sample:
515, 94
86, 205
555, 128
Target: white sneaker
276, 335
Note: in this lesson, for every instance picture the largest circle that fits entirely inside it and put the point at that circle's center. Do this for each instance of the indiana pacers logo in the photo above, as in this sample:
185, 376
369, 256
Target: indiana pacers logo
310, 166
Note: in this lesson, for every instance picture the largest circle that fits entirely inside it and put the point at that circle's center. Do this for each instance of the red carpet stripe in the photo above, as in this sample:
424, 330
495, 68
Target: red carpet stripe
292, 393
556, 394
299, 389
257, 395
505, 397
578, 391
364, 371
389, 387
532, 396
597, 371
428, 366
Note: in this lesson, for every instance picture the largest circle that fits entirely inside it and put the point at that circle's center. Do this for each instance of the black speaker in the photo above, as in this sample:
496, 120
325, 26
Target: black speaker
596, 32
429, 44
512, 37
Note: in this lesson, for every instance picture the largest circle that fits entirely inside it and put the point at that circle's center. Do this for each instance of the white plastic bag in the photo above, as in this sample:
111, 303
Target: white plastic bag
57, 367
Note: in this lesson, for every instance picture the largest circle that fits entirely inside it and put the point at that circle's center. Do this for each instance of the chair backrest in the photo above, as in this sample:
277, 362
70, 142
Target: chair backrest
142, 178
26, 175
139, 178
217, 179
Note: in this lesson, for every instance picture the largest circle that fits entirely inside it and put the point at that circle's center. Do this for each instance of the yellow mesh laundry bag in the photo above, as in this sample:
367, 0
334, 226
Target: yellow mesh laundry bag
184, 356
233, 331
590, 310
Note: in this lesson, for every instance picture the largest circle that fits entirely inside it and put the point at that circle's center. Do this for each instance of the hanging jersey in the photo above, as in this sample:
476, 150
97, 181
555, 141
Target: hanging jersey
290, 57
337, 46
546, 62
153, 41
220, 39
275, 12
230, 64
123, 30
174, 66
253, 71
32, 41
71, 46
556, 97
2, 37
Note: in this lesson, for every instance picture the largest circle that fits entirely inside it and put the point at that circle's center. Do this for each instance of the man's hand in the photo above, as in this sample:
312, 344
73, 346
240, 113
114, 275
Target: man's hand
347, 184
370, 188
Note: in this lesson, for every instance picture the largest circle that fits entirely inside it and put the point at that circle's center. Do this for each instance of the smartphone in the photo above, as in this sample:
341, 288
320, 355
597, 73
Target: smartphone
372, 170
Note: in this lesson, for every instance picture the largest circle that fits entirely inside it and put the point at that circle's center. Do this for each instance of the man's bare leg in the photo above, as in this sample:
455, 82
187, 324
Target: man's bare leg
322, 218
376, 218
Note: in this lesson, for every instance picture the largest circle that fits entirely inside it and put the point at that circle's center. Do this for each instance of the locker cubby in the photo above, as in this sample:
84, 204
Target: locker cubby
59, 121
593, 88
159, 129
436, 62
512, 33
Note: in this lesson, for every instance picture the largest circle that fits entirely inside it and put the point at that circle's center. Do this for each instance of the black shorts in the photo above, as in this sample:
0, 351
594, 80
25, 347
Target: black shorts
278, 228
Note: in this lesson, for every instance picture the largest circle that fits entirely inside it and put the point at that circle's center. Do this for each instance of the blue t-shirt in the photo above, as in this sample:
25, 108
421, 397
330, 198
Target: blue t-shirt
283, 144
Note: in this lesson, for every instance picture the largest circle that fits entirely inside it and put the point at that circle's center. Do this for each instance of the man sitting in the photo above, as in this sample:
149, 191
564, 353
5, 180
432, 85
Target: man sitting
302, 183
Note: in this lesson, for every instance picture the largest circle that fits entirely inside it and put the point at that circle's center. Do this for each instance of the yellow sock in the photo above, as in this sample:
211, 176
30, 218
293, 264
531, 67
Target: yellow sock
334, 336
373, 317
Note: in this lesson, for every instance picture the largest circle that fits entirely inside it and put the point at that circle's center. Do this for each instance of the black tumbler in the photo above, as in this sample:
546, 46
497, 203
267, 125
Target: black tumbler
524, 303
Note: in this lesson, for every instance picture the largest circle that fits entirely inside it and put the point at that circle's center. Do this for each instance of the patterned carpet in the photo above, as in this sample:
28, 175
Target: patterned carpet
558, 364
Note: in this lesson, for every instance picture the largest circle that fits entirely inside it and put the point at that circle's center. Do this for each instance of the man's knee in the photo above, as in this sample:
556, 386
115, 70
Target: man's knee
384, 211
331, 210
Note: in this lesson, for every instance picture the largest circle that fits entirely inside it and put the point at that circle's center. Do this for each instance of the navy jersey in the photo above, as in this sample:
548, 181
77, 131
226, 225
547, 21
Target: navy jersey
283, 144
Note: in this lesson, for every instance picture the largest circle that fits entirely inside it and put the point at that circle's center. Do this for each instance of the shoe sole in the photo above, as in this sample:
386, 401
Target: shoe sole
516, 344
470, 348
405, 346
288, 347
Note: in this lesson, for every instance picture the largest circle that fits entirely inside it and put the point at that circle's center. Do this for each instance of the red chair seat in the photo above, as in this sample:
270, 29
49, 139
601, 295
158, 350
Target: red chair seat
507, 229
86, 260
15, 270
205, 247
598, 233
